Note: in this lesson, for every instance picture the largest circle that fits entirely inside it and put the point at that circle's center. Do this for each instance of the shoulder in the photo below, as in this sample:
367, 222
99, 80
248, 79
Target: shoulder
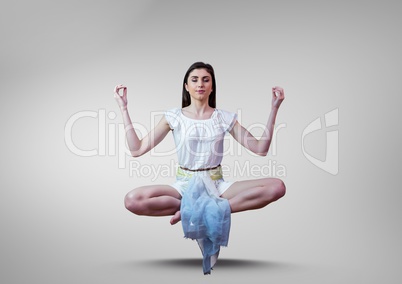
226, 118
173, 111
224, 112
226, 115
172, 116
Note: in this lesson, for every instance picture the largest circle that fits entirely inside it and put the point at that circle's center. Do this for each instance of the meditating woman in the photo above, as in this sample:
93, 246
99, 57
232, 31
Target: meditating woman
198, 129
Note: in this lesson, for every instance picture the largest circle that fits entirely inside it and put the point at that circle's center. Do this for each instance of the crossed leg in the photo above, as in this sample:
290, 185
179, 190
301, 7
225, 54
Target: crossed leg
254, 194
164, 200
154, 200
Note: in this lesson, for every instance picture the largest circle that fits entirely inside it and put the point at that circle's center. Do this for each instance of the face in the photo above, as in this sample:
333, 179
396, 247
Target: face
199, 84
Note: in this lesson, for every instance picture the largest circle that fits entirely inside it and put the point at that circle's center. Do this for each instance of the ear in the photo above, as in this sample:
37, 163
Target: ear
185, 86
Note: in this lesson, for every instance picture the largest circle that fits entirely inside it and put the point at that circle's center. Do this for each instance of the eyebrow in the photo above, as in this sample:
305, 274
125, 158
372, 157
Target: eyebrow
202, 77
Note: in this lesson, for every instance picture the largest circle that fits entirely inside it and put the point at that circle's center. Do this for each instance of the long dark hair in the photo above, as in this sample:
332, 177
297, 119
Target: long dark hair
186, 99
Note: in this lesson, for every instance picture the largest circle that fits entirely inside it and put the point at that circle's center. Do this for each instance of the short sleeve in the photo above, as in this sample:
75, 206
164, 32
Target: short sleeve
173, 117
228, 119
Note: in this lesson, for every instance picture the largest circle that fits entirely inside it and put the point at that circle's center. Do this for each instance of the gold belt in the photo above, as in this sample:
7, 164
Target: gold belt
215, 172
200, 170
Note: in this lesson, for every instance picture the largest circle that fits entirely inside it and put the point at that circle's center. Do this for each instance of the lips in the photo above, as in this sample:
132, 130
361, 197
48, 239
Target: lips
200, 91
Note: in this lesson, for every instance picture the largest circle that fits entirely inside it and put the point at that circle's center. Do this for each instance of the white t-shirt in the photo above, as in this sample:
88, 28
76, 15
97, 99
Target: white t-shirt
199, 143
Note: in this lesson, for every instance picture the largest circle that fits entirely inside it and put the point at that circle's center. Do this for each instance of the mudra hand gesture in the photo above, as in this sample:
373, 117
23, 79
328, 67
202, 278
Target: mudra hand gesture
121, 99
278, 95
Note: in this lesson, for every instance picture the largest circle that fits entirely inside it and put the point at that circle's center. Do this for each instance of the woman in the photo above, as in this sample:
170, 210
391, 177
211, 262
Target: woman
198, 129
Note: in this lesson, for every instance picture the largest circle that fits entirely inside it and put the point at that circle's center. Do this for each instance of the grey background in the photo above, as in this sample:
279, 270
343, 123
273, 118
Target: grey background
62, 215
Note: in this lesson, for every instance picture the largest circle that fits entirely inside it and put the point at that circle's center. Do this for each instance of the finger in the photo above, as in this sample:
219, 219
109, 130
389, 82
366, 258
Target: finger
279, 91
118, 88
117, 93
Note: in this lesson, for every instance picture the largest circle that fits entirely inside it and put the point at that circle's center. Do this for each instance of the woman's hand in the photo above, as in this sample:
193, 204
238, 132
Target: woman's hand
278, 95
121, 99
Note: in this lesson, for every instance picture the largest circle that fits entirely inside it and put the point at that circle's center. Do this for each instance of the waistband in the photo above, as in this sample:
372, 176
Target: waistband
215, 173
200, 170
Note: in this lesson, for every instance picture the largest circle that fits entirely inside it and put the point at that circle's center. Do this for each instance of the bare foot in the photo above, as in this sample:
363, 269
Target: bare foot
176, 218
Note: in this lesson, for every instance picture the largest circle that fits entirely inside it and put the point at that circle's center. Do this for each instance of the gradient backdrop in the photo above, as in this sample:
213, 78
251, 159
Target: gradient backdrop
62, 213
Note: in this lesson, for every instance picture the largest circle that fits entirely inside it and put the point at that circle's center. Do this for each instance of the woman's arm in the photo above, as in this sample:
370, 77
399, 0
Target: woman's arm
138, 146
245, 138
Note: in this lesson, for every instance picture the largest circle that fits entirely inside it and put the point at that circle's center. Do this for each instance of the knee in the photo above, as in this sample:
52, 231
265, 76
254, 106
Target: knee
133, 202
277, 188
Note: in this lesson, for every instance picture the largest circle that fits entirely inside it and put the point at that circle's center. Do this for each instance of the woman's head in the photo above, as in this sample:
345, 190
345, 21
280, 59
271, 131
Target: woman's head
186, 98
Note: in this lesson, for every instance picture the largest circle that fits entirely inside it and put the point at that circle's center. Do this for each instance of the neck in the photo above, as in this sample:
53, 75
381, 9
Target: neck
199, 107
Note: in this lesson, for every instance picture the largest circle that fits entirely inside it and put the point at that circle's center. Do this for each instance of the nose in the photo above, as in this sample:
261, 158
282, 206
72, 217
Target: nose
200, 84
